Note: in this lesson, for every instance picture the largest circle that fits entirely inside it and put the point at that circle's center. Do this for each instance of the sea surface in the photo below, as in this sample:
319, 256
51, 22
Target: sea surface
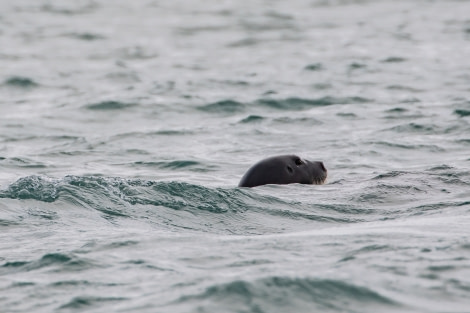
125, 127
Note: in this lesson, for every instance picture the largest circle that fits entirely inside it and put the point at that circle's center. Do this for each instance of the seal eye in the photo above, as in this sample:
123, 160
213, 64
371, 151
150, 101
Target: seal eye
298, 161
289, 169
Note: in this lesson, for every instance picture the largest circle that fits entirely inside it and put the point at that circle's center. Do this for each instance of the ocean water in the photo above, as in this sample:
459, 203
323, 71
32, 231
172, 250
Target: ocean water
125, 127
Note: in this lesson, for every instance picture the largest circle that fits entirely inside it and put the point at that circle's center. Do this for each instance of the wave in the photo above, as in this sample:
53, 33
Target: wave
282, 294
292, 103
303, 104
394, 60
314, 67
176, 205
83, 302
21, 82
177, 164
252, 119
59, 262
390, 192
85, 36
414, 128
400, 145
21, 163
225, 106
71, 9
110, 105
462, 112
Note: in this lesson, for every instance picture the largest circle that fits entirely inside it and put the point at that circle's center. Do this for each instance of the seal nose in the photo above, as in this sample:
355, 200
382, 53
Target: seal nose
323, 167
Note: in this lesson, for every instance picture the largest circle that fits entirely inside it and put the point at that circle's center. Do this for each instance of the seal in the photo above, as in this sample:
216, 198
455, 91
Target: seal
284, 169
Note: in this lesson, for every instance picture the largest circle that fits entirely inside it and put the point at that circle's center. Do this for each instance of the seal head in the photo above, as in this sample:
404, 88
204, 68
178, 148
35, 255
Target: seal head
284, 169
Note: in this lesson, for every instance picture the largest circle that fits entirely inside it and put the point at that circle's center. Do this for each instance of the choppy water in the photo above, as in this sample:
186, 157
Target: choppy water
125, 127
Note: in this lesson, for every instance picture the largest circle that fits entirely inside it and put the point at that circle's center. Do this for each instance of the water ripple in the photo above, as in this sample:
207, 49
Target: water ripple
278, 293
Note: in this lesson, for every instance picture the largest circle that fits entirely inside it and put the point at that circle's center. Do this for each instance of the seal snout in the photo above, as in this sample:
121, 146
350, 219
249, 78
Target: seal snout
319, 173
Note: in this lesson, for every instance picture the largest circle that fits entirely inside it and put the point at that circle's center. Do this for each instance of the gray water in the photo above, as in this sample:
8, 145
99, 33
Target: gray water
125, 127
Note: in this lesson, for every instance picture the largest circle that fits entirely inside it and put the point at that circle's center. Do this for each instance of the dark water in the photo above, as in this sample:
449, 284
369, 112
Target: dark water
125, 127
